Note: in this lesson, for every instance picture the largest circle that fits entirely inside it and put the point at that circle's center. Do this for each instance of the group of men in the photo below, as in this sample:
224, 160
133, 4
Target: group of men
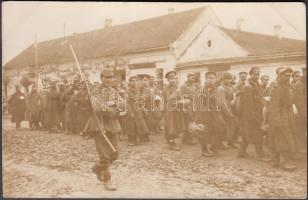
221, 114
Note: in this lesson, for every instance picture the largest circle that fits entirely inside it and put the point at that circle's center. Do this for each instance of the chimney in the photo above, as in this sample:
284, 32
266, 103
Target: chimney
277, 29
171, 10
239, 23
108, 22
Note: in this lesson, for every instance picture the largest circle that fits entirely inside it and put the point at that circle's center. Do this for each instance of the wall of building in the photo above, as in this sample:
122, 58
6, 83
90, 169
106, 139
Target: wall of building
212, 43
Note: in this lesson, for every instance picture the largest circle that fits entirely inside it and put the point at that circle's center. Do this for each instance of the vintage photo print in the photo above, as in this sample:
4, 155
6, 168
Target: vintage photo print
154, 100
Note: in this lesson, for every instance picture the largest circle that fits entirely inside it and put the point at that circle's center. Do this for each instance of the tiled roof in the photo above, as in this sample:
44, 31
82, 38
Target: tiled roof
258, 44
111, 41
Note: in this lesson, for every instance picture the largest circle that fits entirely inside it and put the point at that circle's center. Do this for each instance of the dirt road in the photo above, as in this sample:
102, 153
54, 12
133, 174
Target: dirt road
38, 164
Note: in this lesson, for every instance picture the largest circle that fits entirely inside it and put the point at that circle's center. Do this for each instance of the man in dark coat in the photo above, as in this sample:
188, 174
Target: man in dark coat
189, 95
43, 118
300, 101
251, 107
65, 97
281, 120
211, 117
225, 97
17, 104
174, 121
34, 108
53, 101
136, 127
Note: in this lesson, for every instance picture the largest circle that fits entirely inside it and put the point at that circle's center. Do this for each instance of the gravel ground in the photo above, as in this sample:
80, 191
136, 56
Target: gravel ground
39, 164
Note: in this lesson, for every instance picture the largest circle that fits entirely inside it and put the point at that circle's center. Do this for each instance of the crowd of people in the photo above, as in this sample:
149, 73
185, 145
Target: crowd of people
224, 113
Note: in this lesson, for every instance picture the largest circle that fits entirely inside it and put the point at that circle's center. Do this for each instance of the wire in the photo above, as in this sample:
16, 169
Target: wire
280, 14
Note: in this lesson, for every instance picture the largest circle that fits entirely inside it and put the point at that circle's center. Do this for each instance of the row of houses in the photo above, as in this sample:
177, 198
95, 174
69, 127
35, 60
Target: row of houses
189, 41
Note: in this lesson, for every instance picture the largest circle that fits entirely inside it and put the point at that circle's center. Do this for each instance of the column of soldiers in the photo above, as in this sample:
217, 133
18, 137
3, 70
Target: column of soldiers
221, 114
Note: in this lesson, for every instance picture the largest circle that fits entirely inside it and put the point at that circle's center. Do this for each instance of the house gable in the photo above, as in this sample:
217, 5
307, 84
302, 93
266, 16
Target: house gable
212, 43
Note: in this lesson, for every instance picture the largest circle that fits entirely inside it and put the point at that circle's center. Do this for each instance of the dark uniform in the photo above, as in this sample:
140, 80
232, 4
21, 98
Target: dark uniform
136, 127
34, 108
65, 97
108, 116
53, 101
174, 121
281, 120
225, 96
17, 104
189, 92
211, 116
251, 116
300, 101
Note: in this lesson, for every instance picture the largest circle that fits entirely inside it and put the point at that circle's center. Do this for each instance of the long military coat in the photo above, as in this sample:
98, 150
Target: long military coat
17, 104
281, 118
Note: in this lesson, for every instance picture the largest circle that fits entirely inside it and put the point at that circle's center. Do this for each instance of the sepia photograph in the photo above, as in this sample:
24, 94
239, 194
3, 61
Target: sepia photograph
165, 100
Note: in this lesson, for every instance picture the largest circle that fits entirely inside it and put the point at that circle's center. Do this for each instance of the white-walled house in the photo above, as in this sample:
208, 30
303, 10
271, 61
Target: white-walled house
221, 49
192, 40
151, 46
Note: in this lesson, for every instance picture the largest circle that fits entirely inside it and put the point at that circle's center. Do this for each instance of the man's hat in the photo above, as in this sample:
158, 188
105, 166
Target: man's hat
227, 76
278, 70
146, 76
152, 78
209, 73
191, 74
295, 72
107, 72
253, 69
242, 73
170, 74
285, 70
132, 78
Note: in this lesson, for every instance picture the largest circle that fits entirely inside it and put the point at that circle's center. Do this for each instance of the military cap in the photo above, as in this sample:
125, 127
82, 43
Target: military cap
152, 78
242, 73
295, 72
285, 70
146, 76
130, 79
278, 70
170, 74
191, 74
209, 73
107, 72
227, 75
253, 69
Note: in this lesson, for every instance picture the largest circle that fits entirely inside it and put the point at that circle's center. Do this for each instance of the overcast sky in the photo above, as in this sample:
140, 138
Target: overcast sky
22, 20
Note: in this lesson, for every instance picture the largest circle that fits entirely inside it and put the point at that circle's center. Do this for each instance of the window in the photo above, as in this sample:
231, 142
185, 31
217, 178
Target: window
209, 43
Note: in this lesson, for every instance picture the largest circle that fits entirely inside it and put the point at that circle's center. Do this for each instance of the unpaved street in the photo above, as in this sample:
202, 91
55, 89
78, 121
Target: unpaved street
38, 164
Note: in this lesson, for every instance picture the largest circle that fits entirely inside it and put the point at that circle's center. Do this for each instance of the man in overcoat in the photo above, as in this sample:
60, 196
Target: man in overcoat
17, 104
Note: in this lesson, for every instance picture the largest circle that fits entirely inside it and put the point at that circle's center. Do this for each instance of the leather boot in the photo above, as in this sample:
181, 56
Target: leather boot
108, 185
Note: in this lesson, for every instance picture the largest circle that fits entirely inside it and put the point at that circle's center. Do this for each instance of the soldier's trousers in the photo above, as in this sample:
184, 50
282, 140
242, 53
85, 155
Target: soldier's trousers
106, 156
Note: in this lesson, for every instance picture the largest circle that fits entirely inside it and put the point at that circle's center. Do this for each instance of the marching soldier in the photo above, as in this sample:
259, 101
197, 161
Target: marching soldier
109, 119
251, 108
53, 100
34, 108
172, 113
225, 97
211, 116
65, 97
136, 127
300, 101
17, 104
281, 120
189, 92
